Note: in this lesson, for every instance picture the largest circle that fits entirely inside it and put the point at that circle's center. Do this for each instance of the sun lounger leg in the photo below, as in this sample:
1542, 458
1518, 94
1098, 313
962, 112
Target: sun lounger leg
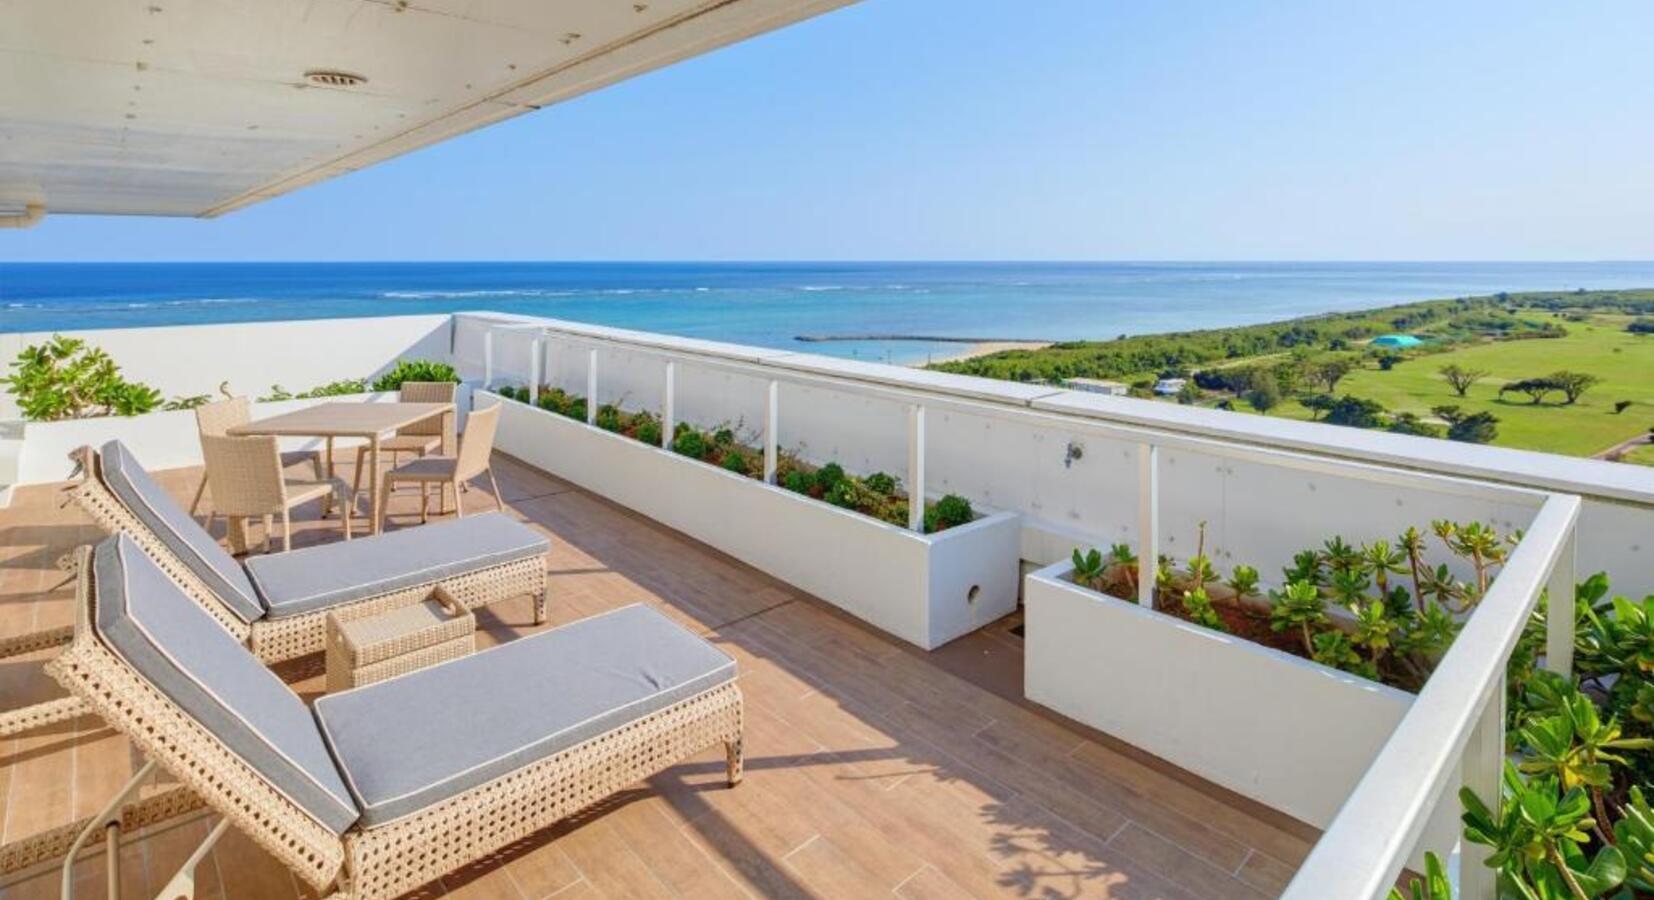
182, 885
736, 757
108, 820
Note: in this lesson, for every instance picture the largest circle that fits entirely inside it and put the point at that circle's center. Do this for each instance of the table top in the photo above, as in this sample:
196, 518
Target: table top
344, 419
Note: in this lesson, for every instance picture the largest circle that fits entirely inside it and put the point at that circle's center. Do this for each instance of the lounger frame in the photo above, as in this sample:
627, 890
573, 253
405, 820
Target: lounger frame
289, 637
389, 860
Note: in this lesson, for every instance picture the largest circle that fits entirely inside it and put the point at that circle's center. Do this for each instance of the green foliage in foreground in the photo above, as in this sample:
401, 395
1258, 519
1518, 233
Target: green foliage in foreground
67, 378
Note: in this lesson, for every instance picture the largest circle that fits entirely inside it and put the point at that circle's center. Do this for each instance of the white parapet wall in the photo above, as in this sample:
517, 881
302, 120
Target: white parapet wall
1067, 460
1064, 460
250, 357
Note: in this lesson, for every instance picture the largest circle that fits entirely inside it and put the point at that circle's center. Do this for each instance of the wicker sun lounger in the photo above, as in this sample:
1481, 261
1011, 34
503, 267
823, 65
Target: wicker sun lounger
383, 788
278, 605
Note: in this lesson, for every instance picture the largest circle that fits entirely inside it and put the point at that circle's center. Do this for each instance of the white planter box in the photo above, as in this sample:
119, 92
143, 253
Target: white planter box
924, 589
1289, 733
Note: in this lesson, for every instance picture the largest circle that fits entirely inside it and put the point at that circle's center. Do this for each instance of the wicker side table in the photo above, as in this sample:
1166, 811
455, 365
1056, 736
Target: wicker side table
367, 648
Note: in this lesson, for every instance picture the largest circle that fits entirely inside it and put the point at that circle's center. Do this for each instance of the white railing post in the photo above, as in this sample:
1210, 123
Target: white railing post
1559, 609
1480, 769
487, 358
916, 468
668, 413
591, 386
1148, 522
534, 371
772, 426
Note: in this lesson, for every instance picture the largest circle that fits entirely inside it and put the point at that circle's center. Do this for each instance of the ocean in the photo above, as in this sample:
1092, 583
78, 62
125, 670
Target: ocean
774, 304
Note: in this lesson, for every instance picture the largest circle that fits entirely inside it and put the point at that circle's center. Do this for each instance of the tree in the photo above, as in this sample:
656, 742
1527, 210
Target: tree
1460, 378
1410, 423
1355, 412
1642, 325
1265, 394
1188, 394
1332, 371
1470, 428
1319, 404
1387, 361
1573, 385
1535, 388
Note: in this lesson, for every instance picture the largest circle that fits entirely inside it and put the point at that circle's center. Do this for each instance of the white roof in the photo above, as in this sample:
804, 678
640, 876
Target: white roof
199, 107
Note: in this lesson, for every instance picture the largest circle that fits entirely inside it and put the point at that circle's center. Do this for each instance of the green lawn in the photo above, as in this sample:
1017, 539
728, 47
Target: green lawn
1642, 456
1624, 362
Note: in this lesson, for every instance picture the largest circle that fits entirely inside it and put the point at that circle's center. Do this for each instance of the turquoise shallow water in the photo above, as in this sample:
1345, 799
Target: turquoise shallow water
771, 304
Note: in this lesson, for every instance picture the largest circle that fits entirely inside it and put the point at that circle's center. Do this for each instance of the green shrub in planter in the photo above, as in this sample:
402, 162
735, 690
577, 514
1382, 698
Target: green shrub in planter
880, 483
415, 370
736, 461
690, 443
797, 481
608, 417
646, 428
949, 511
829, 475
843, 494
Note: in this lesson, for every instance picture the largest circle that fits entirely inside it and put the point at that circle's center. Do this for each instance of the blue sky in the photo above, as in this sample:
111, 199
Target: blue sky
968, 129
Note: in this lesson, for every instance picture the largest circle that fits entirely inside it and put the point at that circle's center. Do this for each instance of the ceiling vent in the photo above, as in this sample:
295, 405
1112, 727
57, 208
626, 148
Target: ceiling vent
334, 78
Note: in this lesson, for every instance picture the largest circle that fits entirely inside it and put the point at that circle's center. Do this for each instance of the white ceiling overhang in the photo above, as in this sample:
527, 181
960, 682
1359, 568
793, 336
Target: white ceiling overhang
200, 107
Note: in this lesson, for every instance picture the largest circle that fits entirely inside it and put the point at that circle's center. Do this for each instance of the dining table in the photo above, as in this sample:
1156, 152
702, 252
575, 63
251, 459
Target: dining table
368, 421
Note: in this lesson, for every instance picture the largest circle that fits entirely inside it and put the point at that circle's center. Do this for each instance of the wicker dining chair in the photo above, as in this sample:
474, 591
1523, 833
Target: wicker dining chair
475, 454
217, 418
246, 478
420, 438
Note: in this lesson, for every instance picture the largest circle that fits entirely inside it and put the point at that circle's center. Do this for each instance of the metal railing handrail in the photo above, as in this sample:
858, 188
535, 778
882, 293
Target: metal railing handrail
1364, 849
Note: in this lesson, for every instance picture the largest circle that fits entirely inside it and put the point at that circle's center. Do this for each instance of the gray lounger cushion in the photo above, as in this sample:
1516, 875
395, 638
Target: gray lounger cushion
415, 740
176, 646
188, 541
330, 574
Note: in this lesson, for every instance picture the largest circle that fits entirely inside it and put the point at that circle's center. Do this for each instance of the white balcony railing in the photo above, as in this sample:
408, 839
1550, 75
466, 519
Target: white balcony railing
1457, 724
1452, 734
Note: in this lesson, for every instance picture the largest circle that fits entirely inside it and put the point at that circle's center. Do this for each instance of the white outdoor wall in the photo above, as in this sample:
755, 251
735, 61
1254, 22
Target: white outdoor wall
1012, 459
186, 360
162, 440
1004, 459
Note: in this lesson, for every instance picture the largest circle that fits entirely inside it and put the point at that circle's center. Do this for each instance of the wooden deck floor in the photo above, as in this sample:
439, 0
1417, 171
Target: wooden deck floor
873, 769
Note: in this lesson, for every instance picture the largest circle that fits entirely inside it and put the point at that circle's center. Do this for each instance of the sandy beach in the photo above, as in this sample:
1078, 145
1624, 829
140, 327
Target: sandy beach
983, 349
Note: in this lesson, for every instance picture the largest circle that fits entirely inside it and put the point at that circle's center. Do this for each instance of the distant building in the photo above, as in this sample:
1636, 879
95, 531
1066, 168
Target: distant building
1098, 386
1399, 341
1169, 387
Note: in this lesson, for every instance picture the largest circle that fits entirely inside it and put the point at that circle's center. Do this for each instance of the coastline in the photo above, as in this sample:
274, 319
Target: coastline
983, 348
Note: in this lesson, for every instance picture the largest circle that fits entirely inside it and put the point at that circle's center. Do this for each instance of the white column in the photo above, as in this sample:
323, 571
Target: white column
1148, 522
668, 415
1559, 609
1480, 769
487, 358
772, 427
591, 386
916, 468
534, 371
